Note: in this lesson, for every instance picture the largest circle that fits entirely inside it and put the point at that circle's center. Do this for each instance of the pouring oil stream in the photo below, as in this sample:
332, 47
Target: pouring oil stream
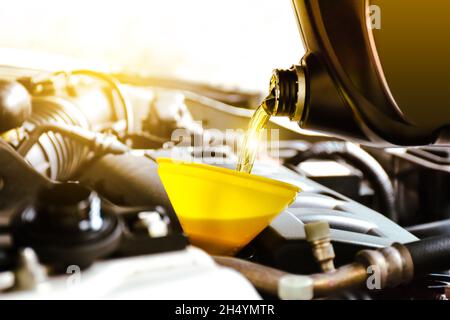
249, 149
252, 138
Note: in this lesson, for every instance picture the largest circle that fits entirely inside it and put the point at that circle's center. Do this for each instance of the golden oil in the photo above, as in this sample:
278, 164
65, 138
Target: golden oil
223, 236
250, 144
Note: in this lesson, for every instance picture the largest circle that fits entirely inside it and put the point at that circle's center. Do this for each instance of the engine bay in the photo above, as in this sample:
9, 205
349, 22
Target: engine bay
80, 195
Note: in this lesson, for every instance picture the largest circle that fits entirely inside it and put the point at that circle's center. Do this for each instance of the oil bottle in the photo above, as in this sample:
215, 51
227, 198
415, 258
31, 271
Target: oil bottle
367, 84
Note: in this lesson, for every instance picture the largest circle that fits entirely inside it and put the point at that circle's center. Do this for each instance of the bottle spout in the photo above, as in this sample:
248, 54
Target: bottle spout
287, 93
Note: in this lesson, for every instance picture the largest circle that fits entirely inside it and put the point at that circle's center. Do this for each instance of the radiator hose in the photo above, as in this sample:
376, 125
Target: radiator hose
431, 254
397, 264
431, 229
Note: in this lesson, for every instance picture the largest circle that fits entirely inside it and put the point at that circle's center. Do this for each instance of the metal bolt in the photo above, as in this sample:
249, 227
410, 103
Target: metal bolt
318, 235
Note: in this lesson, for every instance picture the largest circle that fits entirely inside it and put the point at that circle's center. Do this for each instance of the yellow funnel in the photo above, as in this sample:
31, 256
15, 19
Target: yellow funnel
221, 210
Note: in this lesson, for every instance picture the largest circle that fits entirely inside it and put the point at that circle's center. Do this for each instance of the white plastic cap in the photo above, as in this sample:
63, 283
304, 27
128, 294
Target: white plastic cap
295, 287
158, 229
156, 226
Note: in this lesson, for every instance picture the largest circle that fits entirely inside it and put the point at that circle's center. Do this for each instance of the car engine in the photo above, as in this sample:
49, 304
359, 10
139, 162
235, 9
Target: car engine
332, 186
80, 191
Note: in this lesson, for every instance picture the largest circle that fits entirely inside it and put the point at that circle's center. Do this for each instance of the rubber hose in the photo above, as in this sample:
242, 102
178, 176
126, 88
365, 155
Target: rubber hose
361, 160
432, 229
430, 255
129, 180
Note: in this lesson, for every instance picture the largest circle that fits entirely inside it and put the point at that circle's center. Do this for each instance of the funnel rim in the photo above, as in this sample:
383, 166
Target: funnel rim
229, 172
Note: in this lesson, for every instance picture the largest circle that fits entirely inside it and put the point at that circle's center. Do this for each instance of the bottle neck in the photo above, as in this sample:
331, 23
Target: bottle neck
286, 93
